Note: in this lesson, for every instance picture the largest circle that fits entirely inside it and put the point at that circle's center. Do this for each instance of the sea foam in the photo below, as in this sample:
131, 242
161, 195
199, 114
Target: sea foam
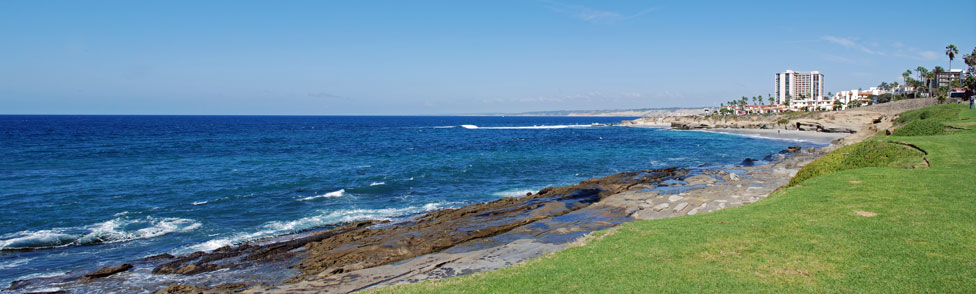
513, 193
339, 193
111, 231
542, 127
278, 228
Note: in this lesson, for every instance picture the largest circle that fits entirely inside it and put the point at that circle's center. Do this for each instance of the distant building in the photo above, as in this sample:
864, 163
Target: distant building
855, 97
943, 79
799, 86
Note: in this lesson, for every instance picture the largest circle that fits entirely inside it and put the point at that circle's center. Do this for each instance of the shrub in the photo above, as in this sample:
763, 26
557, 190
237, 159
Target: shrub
936, 113
872, 153
921, 128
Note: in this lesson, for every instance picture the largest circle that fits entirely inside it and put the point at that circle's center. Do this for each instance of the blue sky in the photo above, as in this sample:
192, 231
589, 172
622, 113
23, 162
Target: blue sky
450, 57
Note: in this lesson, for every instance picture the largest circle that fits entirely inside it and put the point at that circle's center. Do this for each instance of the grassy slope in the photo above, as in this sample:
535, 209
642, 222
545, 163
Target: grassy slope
805, 238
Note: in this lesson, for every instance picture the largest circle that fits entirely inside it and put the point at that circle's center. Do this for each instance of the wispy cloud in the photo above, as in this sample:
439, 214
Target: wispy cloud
594, 15
898, 49
323, 95
587, 97
852, 43
928, 55
835, 58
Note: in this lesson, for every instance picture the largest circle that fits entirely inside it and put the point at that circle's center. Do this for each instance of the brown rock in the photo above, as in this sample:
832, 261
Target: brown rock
107, 271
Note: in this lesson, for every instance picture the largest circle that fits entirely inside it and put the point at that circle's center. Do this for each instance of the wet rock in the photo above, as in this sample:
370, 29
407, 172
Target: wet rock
180, 289
748, 162
544, 191
159, 257
107, 271
362, 245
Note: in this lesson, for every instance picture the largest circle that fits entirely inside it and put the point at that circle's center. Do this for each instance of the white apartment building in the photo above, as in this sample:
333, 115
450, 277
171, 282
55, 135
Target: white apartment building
944, 79
795, 85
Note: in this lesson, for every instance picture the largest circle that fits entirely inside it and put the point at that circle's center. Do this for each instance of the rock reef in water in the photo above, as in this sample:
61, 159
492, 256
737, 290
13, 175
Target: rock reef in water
368, 244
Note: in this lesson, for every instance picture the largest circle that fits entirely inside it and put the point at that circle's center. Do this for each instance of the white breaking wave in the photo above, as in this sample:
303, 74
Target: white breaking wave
377, 184
513, 193
444, 127
277, 228
111, 231
199, 202
339, 193
15, 263
472, 127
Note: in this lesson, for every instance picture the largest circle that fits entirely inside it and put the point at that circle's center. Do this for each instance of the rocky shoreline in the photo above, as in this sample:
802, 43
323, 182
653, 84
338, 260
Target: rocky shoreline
863, 121
689, 192
443, 243
479, 237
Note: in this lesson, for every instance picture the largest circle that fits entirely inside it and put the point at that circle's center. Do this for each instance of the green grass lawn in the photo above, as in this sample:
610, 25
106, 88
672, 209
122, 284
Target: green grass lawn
805, 238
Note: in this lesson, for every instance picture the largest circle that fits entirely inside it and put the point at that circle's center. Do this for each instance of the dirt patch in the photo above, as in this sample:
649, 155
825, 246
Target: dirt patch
865, 213
854, 182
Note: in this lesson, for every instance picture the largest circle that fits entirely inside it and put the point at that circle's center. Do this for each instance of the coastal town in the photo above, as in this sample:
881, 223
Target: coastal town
804, 91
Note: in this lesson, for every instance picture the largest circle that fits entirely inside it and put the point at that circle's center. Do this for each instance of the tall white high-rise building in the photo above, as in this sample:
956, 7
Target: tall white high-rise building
799, 86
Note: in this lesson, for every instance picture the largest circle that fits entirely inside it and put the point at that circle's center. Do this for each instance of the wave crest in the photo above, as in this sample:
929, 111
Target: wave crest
112, 231
542, 127
339, 193
278, 228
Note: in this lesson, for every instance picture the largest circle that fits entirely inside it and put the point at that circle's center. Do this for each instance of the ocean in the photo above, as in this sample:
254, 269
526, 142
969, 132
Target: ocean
81, 192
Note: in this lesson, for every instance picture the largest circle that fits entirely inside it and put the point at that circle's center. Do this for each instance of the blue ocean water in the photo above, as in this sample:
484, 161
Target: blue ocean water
79, 192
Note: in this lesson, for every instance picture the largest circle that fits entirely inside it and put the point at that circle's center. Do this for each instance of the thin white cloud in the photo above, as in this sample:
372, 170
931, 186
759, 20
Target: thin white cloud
588, 97
899, 49
835, 58
323, 95
929, 55
851, 43
593, 15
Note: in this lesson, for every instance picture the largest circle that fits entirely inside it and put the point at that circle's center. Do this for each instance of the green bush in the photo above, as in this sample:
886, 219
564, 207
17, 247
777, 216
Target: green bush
921, 128
940, 113
872, 153
926, 121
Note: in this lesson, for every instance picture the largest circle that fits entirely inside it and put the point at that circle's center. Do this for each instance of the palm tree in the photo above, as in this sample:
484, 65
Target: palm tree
905, 75
772, 100
921, 70
951, 51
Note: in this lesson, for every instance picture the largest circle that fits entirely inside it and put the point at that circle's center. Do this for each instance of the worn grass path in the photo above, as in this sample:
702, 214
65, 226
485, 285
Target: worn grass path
867, 230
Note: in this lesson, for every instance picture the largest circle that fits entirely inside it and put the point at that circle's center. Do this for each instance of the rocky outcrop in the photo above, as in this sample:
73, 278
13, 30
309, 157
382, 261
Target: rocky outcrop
107, 271
848, 122
362, 245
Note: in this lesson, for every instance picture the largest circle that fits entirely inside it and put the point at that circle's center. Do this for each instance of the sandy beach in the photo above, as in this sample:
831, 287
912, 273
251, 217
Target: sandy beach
790, 135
